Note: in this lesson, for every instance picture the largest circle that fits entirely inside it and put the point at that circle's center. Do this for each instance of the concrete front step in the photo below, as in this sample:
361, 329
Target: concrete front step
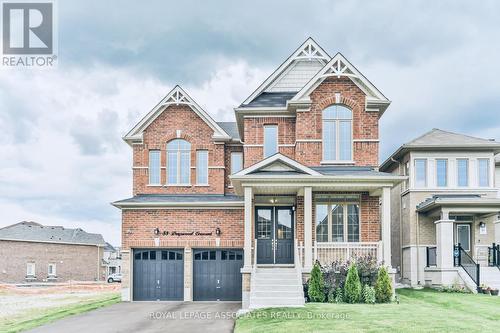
277, 294
274, 287
273, 301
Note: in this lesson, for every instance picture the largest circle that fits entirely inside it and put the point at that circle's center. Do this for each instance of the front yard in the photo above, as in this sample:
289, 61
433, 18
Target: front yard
22, 308
418, 311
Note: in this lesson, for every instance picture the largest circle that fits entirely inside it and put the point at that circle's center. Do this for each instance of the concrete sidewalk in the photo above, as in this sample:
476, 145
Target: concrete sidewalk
148, 317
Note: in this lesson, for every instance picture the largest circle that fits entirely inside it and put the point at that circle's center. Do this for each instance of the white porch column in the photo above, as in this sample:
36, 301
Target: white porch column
247, 259
386, 225
444, 242
308, 228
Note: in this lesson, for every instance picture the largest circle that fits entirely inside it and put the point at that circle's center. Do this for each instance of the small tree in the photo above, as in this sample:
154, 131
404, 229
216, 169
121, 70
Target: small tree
316, 288
368, 294
383, 286
352, 288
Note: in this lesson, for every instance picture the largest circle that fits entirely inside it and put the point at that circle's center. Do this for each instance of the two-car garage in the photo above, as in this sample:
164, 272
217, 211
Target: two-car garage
158, 274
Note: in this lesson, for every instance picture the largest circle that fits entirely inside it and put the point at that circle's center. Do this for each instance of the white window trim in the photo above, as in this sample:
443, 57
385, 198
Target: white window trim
149, 169
236, 153
277, 140
447, 182
425, 172
29, 264
488, 171
337, 141
207, 168
458, 173
345, 217
178, 176
54, 270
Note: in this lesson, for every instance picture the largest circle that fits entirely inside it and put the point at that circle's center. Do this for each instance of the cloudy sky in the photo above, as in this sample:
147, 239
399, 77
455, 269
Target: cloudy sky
62, 157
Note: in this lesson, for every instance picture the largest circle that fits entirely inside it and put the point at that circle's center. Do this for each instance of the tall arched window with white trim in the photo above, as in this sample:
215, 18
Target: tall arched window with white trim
337, 134
178, 162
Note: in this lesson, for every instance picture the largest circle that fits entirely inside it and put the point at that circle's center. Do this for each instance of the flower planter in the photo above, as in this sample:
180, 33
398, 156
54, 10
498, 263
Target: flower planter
479, 290
494, 292
486, 291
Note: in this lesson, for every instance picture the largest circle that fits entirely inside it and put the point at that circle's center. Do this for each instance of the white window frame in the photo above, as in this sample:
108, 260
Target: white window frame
28, 265
446, 182
178, 176
159, 167
198, 167
467, 170
54, 272
236, 153
425, 172
337, 122
277, 136
488, 170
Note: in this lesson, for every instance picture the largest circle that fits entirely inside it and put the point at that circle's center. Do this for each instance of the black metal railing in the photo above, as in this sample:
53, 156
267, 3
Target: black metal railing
462, 259
431, 256
494, 255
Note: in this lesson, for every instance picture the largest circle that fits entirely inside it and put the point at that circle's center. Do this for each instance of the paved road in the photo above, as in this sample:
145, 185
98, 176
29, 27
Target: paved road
150, 317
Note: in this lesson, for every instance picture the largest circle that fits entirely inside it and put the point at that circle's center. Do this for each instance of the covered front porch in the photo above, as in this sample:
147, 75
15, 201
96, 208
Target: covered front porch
466, 227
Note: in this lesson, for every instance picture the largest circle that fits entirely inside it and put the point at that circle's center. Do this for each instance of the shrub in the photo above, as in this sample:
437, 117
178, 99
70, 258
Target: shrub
331, 295
352, 287
316, 286
368, 294
334, 276
339, 295
383, 286
367, 269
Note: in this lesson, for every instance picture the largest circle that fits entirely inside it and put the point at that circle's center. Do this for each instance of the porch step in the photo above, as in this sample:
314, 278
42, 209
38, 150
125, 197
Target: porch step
276, 287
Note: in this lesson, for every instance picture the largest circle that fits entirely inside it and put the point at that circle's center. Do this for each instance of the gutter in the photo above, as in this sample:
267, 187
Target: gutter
194, 204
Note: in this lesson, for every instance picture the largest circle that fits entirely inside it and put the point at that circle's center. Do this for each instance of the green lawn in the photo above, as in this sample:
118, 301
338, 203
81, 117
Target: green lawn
419, 311
36, 318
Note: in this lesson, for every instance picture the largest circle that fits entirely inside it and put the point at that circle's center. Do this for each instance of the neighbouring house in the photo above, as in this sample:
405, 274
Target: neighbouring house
451, 198
241, 210
112, 259
31, 252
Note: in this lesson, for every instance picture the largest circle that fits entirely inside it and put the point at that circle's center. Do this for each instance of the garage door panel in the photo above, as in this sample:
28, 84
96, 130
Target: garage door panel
158, 275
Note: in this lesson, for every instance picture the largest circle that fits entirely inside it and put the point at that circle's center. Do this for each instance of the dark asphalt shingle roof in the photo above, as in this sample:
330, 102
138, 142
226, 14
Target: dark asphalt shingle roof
32, 231
270, 99
349, 170
155, 198
231, 128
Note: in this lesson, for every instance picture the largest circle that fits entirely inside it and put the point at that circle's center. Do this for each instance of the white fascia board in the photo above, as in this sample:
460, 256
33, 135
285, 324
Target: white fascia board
284, 65
194, 204
274, 158
135, 134
318, 179
303, 94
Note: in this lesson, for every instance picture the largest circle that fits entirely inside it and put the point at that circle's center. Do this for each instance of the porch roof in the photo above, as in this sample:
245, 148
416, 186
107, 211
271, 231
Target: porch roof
461, 203
180, 200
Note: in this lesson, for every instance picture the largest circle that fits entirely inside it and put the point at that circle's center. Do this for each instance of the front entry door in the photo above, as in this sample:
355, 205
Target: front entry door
274, 233
463, 236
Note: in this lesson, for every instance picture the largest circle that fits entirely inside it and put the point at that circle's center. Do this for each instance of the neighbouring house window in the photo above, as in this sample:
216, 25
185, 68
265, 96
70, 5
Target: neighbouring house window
202, 167
484, 172
337, 219
441, 173
462, 172
178, 162
420, 172
52, 270
236, 162
270, 140
30, 269
337, 133
154, 167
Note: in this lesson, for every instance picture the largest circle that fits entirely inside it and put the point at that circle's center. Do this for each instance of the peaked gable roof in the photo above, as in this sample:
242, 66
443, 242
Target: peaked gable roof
338, 67
437, 139
309, 51
277, 163
176, 96
35, 232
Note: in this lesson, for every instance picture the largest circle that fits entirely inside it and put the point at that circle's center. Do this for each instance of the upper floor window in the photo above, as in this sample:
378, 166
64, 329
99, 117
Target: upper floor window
178, 162
420, 172
337, 133
462, 172
154, 167
484, 172
441, 172
202, 167
270, 140
236, 162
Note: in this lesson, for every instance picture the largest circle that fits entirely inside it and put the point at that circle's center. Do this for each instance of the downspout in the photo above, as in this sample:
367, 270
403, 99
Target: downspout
418, 248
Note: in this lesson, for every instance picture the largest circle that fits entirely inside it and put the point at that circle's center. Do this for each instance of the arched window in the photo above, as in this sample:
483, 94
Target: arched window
178, 162
337, 133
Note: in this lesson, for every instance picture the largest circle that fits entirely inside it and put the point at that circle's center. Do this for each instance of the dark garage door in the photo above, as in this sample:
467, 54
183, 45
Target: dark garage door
216, 275
158, 275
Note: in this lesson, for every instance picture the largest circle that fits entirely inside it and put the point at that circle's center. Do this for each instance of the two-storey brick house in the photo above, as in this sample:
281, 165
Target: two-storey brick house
239, 211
